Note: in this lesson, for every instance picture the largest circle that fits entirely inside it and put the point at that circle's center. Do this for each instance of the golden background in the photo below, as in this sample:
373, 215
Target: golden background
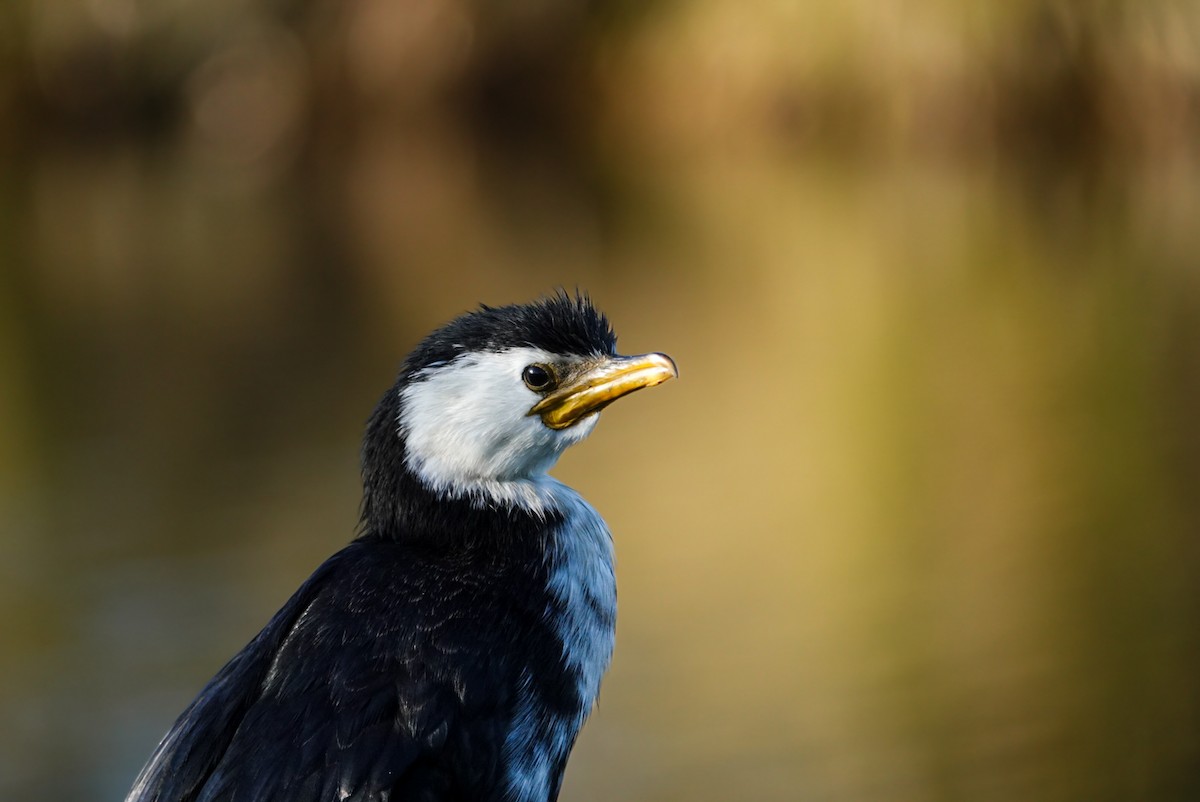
919, 521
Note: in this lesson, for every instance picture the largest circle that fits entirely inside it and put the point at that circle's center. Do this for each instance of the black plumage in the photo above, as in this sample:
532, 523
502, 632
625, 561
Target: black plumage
424, 661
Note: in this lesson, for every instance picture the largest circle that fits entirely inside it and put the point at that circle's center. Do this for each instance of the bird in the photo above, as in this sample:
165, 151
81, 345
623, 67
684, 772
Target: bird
454, 648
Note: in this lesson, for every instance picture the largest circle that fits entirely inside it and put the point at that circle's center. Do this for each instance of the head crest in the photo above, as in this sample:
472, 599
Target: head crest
561, 323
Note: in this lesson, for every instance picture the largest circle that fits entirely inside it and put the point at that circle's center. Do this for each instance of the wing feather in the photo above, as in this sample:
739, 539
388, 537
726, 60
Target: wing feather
334, 699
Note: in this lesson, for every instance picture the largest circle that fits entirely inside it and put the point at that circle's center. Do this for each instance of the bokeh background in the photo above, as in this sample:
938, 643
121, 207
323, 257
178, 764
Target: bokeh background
919, 522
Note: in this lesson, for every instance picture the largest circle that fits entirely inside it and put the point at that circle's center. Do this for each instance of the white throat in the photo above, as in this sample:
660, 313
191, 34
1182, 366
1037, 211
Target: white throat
468, 433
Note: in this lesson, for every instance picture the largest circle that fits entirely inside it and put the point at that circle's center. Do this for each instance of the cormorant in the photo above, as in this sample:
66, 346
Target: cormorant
453, 650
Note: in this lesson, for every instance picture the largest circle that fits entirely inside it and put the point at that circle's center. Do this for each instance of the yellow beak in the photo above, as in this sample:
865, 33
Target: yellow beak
601, 383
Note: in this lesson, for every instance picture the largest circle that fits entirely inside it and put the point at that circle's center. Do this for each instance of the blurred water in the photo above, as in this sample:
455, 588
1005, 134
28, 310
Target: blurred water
918, 522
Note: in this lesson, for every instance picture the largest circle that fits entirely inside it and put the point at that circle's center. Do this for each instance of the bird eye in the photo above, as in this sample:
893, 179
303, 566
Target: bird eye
538, 377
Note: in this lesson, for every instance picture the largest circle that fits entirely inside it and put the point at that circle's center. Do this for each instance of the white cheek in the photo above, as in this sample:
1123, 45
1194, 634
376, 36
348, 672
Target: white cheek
468, 430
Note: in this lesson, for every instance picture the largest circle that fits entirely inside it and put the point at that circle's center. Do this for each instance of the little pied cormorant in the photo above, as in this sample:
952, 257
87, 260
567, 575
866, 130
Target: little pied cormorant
453, 650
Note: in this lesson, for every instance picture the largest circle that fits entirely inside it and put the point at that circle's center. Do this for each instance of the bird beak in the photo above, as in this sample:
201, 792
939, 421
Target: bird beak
601, 383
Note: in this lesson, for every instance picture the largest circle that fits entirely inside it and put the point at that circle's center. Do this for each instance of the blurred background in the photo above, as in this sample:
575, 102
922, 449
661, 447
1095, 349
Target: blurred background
920, 521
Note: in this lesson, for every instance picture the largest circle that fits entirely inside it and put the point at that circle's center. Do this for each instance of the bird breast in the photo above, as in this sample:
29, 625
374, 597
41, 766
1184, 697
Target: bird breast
583, 580
582, 613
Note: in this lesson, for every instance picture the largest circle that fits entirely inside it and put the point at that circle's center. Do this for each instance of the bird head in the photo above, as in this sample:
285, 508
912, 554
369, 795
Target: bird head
485, 405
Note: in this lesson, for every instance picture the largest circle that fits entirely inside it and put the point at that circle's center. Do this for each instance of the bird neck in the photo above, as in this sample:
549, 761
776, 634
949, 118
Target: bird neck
398, 506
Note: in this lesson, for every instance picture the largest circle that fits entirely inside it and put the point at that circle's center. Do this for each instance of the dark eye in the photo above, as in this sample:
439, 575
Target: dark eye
538, 377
